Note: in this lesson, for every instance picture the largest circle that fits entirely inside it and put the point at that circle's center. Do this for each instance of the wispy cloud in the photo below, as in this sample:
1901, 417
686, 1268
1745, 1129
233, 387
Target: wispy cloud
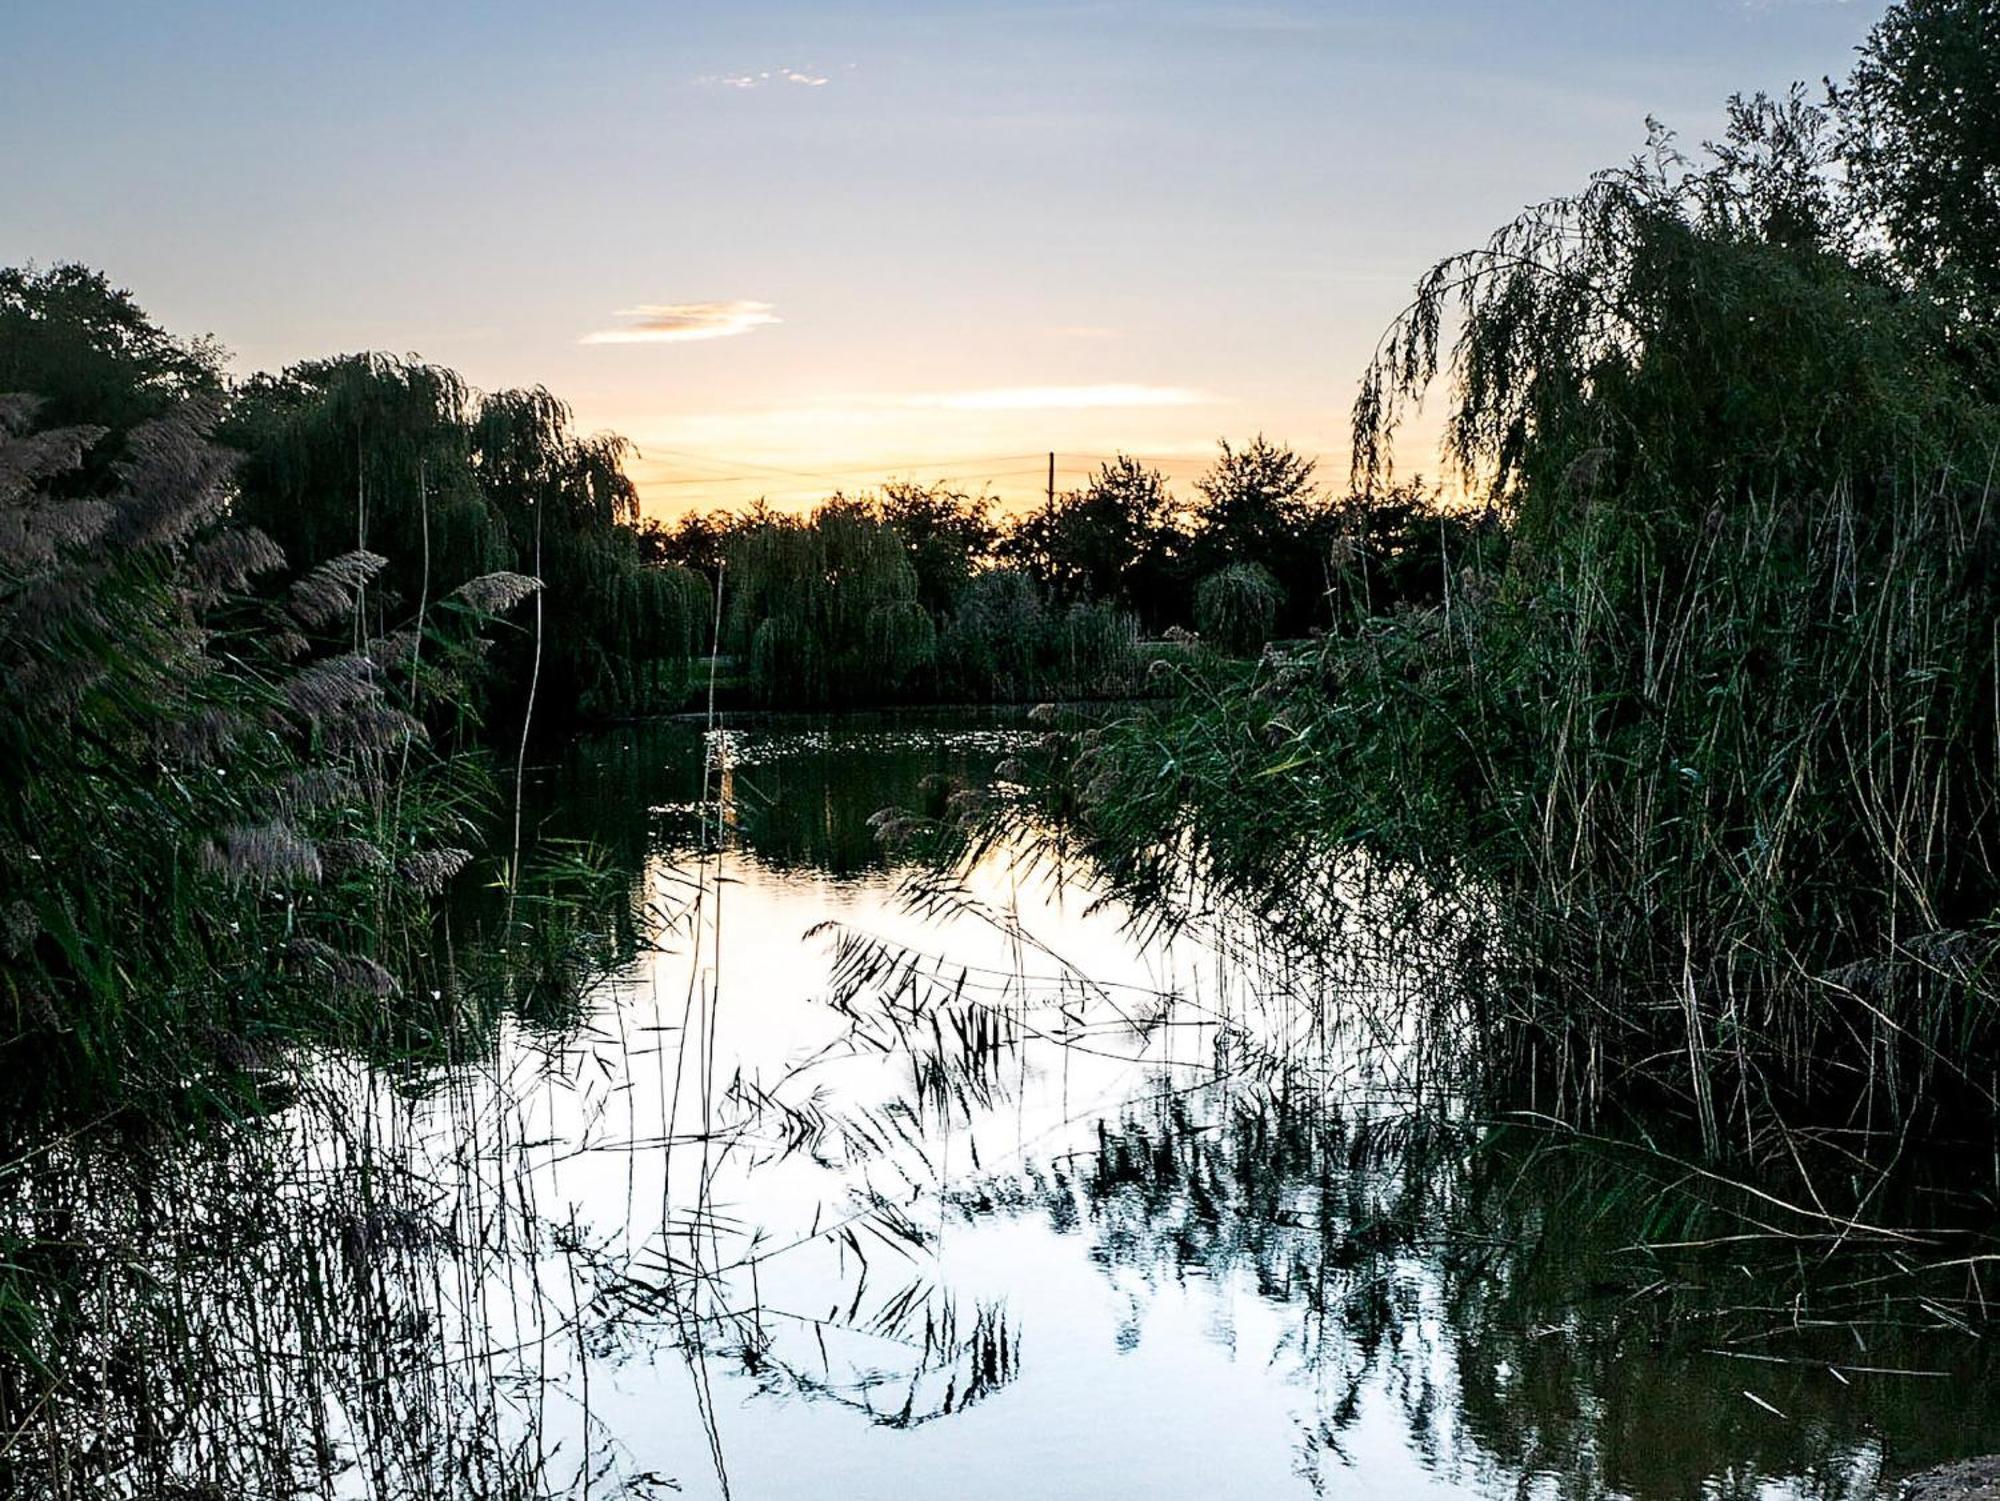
684, 322
764, 77
1057, 398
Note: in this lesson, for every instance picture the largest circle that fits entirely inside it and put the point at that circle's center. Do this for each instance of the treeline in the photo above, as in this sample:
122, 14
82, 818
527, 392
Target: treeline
393, 457
929, 592
910, 593
1697, 786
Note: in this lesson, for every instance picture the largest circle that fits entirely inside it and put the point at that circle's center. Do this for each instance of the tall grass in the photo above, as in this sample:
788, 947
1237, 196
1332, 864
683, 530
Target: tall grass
226, 815
1704, 776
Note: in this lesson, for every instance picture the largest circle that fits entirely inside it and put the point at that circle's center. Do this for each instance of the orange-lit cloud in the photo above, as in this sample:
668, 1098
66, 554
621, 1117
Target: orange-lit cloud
1057, 398
683, 322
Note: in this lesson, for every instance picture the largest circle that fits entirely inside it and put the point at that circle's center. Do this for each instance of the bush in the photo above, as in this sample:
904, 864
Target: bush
1236, 606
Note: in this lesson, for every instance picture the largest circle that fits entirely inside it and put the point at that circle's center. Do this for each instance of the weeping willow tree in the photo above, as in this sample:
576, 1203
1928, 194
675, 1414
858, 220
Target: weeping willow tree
1709, 765
618, 635
825, 608
1236, 607
829, 609
402, 458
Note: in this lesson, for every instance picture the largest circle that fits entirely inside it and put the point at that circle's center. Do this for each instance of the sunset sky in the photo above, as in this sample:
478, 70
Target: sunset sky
790, 247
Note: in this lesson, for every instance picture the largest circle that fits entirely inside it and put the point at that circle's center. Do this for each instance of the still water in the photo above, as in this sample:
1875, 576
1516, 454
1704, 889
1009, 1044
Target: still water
848, 1179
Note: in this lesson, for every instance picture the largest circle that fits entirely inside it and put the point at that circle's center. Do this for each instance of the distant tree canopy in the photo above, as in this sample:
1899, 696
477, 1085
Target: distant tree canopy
1260, 507
1124, 538
948, 535
910, 592
893, 597
825, 607
90, 357
1117, 540
1050, 599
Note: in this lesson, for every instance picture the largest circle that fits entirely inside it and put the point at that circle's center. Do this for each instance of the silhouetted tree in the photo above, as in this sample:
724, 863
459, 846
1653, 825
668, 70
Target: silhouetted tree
91, 357
400, 457
1116, 540
948, 534
1261, 505
824, 607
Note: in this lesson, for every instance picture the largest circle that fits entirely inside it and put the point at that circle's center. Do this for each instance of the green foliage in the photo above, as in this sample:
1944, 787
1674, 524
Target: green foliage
825, 606
1236, 607
1261, 506
225, 809
1117, 540
1920, 128
401, 457
1702, 773
830, 608
948, 535
993, 647
92, 357
1124, 539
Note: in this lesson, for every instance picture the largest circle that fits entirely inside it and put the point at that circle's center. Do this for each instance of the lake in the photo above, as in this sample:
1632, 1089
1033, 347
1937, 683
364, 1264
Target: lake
843, 1177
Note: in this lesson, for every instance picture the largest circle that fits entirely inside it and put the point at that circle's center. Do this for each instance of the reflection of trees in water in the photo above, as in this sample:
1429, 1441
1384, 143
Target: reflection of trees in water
236, 1314
315, 1301
215, 1311
800, 799
1497, 1294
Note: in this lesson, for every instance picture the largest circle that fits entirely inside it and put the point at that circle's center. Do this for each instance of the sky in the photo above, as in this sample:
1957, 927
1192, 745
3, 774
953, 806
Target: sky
788, 248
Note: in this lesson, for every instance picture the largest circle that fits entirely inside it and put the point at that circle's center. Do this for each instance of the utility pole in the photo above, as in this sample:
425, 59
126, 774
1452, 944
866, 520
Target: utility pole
1052, 482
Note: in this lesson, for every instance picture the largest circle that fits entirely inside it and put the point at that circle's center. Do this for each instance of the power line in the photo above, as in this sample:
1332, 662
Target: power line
893, 466
884, 472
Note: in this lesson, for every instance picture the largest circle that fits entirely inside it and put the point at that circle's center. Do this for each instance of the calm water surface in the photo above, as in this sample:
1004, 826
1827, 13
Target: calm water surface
826, 1193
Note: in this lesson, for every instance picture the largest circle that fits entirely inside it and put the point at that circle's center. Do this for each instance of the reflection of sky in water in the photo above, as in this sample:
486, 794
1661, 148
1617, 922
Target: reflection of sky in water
1123, 1386
993, 1225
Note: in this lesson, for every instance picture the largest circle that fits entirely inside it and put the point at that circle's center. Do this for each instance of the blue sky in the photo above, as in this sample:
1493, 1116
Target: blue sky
922, 238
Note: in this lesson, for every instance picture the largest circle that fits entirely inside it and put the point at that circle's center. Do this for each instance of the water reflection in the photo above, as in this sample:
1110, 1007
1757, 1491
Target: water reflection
822, 1195
796, 793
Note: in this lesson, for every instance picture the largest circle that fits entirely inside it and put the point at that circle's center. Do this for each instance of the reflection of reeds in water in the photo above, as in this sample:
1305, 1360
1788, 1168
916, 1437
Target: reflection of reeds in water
1592, 1304
246, 1313
385, 1289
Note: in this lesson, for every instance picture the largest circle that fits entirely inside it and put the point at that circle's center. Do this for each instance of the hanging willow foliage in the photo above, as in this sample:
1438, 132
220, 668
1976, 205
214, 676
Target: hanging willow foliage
826, 607
402, 458
1236, 607
1709, 766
